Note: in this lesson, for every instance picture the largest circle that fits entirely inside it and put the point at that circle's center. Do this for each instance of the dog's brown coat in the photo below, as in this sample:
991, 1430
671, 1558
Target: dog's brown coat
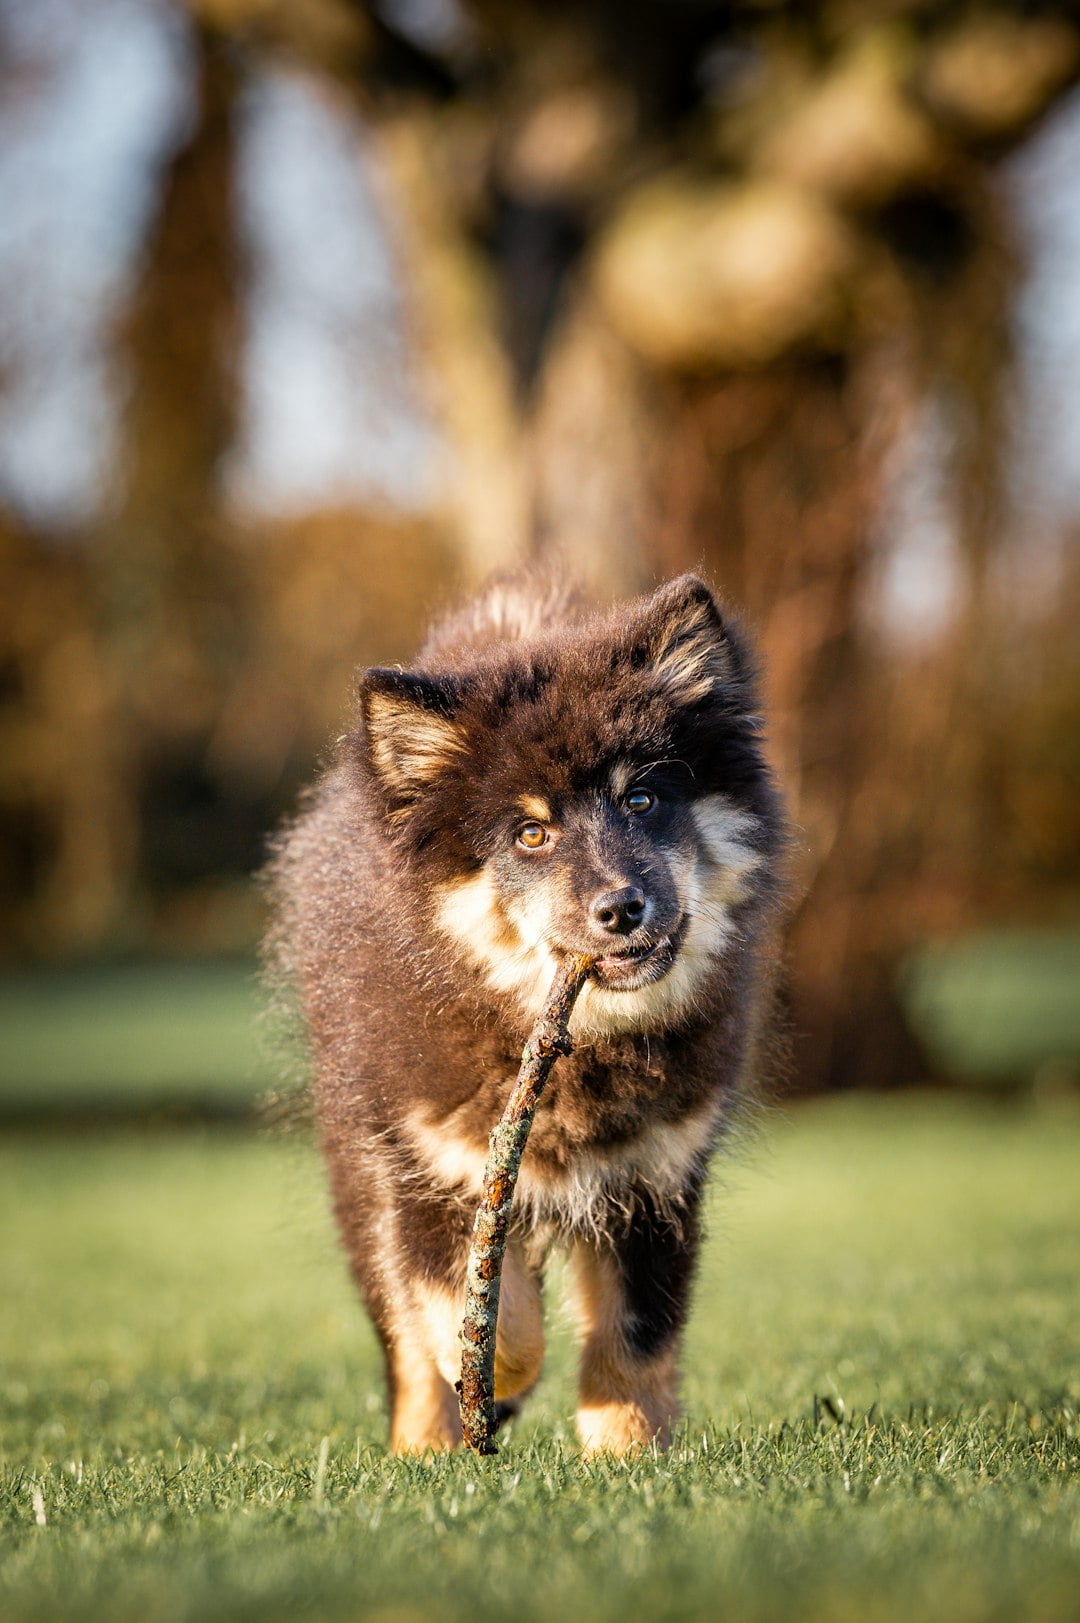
421, 938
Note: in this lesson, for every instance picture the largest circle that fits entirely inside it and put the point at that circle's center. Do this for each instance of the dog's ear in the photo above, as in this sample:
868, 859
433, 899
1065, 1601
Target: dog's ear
409, 729
686, 642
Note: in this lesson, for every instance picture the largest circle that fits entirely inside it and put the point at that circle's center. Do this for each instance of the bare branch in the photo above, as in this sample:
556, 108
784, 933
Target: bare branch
548, 1039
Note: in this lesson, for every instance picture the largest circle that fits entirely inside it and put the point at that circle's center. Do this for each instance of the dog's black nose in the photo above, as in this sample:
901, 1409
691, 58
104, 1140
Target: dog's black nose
620, 911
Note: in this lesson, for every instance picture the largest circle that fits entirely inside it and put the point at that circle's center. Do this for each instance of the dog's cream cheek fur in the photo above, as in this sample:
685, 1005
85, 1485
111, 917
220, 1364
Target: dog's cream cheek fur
722, 829
511, 952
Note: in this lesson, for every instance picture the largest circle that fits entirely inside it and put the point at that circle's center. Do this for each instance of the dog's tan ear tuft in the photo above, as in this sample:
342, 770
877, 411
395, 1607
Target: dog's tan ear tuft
689, 646
409, 729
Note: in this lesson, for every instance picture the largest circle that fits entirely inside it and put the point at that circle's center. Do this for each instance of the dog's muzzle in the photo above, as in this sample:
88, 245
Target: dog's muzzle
641, 964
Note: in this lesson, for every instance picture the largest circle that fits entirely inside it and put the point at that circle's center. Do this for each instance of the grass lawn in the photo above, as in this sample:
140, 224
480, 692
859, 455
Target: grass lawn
883, 1388
133, 1036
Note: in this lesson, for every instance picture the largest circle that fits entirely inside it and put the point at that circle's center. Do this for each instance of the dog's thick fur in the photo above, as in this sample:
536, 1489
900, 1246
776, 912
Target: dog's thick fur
545, 779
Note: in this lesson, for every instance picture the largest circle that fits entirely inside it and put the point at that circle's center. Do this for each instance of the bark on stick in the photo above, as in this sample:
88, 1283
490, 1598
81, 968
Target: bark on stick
548, 1039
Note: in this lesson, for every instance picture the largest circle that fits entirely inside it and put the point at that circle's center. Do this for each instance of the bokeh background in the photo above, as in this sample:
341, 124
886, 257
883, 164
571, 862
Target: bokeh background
316, 313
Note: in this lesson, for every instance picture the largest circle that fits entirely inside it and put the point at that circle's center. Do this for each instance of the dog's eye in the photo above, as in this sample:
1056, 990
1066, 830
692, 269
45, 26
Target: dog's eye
532, 836
639, 800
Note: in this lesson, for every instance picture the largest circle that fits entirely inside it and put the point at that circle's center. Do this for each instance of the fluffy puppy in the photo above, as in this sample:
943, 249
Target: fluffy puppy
545, 778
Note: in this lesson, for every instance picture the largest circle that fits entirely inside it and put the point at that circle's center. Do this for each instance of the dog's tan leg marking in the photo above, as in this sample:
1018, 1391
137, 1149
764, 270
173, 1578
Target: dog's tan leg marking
519, 1343
624, 1402
424, 1406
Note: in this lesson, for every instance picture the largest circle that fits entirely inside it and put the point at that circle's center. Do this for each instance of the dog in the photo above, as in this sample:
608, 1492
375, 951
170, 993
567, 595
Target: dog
547, 778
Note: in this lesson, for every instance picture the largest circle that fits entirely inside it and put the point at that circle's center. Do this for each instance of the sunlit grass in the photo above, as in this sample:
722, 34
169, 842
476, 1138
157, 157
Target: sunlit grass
882, 1395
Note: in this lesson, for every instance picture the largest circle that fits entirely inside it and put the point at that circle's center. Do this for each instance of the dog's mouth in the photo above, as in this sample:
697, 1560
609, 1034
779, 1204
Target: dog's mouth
641, 964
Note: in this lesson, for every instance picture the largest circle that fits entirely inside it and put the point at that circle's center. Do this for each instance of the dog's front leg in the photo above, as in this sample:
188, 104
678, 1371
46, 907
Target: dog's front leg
424, 1313
631, 1291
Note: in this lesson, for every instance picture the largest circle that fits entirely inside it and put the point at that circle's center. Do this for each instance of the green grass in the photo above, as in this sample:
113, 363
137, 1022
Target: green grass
882, 1397
142, 1034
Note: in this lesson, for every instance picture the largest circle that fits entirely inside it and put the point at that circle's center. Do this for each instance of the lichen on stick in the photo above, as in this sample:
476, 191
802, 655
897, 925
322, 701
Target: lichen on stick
548, 1039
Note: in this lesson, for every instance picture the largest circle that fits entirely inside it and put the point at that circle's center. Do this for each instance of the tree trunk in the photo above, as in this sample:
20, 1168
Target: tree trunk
172, 608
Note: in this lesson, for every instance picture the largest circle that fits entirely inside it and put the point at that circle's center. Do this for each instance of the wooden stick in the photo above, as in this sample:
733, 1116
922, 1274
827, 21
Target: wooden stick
548, 1039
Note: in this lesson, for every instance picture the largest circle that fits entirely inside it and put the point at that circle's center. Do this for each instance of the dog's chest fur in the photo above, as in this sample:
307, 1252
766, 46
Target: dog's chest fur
611, 1126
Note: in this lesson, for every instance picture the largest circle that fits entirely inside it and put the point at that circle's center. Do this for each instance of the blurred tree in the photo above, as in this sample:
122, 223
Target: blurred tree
173, 621
168, 676
683, 277
201, 619
683, 274
66, 818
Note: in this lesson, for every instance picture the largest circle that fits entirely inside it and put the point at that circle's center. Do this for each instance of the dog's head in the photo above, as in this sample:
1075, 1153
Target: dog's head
598, 788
